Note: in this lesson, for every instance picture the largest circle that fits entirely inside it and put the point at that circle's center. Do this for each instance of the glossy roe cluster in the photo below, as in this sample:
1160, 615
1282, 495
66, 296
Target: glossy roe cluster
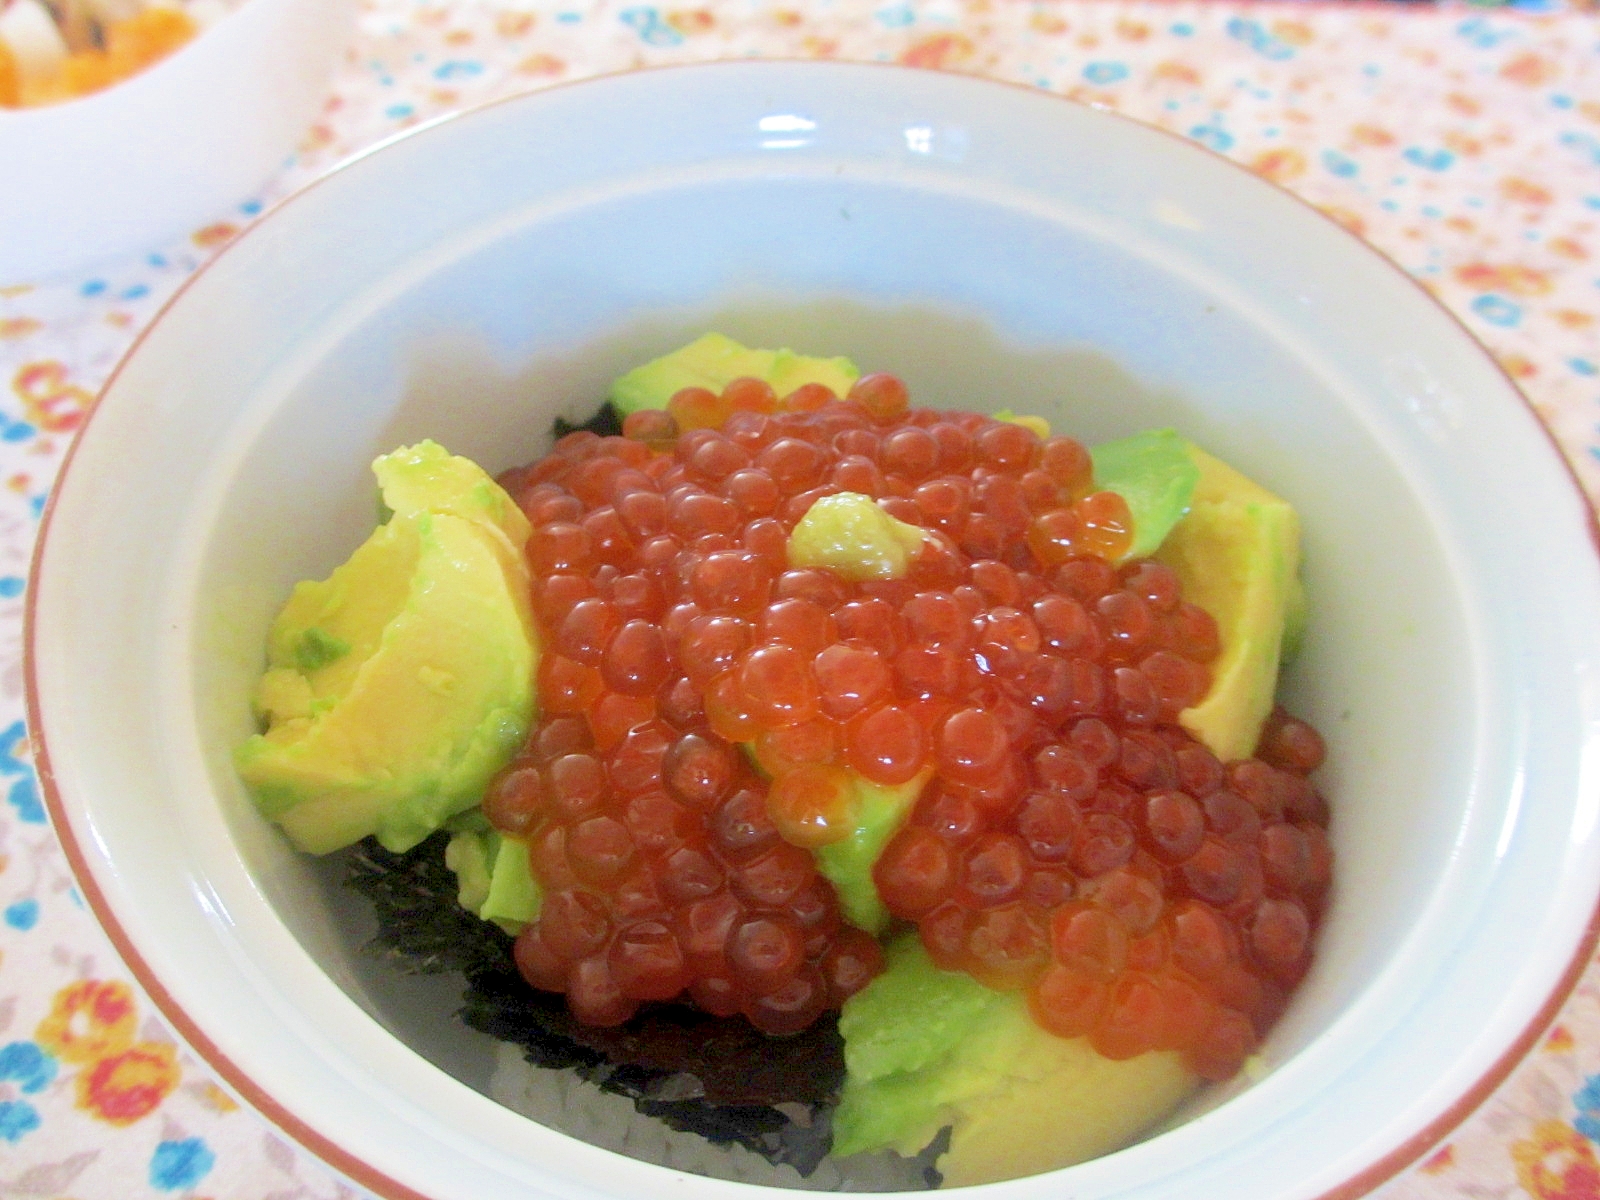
1070, 838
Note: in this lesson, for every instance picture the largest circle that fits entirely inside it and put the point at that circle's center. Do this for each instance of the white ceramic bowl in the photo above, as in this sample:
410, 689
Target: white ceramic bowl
176, 145
996, 246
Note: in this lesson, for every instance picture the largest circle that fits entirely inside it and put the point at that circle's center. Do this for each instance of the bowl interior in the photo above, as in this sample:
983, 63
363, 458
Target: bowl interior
404, 375
914, 224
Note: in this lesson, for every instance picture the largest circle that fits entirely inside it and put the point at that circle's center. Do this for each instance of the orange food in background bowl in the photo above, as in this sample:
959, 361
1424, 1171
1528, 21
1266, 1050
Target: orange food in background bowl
85, 54
10, 82
131, 46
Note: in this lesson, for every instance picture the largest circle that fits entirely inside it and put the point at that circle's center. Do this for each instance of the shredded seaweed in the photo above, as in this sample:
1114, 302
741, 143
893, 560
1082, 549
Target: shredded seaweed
716, 1077
607, 422
421, 928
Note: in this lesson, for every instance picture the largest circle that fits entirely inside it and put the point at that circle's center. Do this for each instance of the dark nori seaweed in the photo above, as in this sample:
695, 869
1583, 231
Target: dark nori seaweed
421, 928
607, 422
716, 1077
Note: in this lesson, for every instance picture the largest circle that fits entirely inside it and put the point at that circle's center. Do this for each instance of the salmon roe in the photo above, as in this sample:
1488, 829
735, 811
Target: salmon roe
1070, 840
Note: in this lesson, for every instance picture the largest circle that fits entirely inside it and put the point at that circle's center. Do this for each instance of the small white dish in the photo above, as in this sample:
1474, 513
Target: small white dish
178, 144
997, 247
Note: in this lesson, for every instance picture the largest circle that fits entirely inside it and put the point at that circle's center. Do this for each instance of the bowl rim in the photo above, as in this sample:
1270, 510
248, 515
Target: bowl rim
321, 1145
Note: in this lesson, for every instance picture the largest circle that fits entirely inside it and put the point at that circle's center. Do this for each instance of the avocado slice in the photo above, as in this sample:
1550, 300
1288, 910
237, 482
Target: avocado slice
1038, 426
1017, 1100
850, 535
713, 361
470, 854
1237, 554
493, 875
881, 810
396, 687
1154, 473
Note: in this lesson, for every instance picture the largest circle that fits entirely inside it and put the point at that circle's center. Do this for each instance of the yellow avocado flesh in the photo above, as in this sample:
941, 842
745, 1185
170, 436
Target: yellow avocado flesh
1237, 555
397, 686
713, 361
851, 536
1017, 1099
494, 876
1015, 1126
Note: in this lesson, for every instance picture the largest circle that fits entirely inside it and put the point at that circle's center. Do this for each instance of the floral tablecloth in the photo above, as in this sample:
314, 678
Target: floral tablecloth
1464, 143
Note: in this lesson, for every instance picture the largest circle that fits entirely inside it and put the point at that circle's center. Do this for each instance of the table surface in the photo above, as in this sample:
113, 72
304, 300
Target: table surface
1464, 143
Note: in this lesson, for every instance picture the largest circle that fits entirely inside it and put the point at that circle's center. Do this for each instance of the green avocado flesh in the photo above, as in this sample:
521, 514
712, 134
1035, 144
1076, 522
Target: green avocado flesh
1154, 472
397, 686
850, 535
847, 864
926, 1049
714, 361
493, 875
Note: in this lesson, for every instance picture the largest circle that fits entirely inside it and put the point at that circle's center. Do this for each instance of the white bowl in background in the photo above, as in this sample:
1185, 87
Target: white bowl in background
997, 247
178, 144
